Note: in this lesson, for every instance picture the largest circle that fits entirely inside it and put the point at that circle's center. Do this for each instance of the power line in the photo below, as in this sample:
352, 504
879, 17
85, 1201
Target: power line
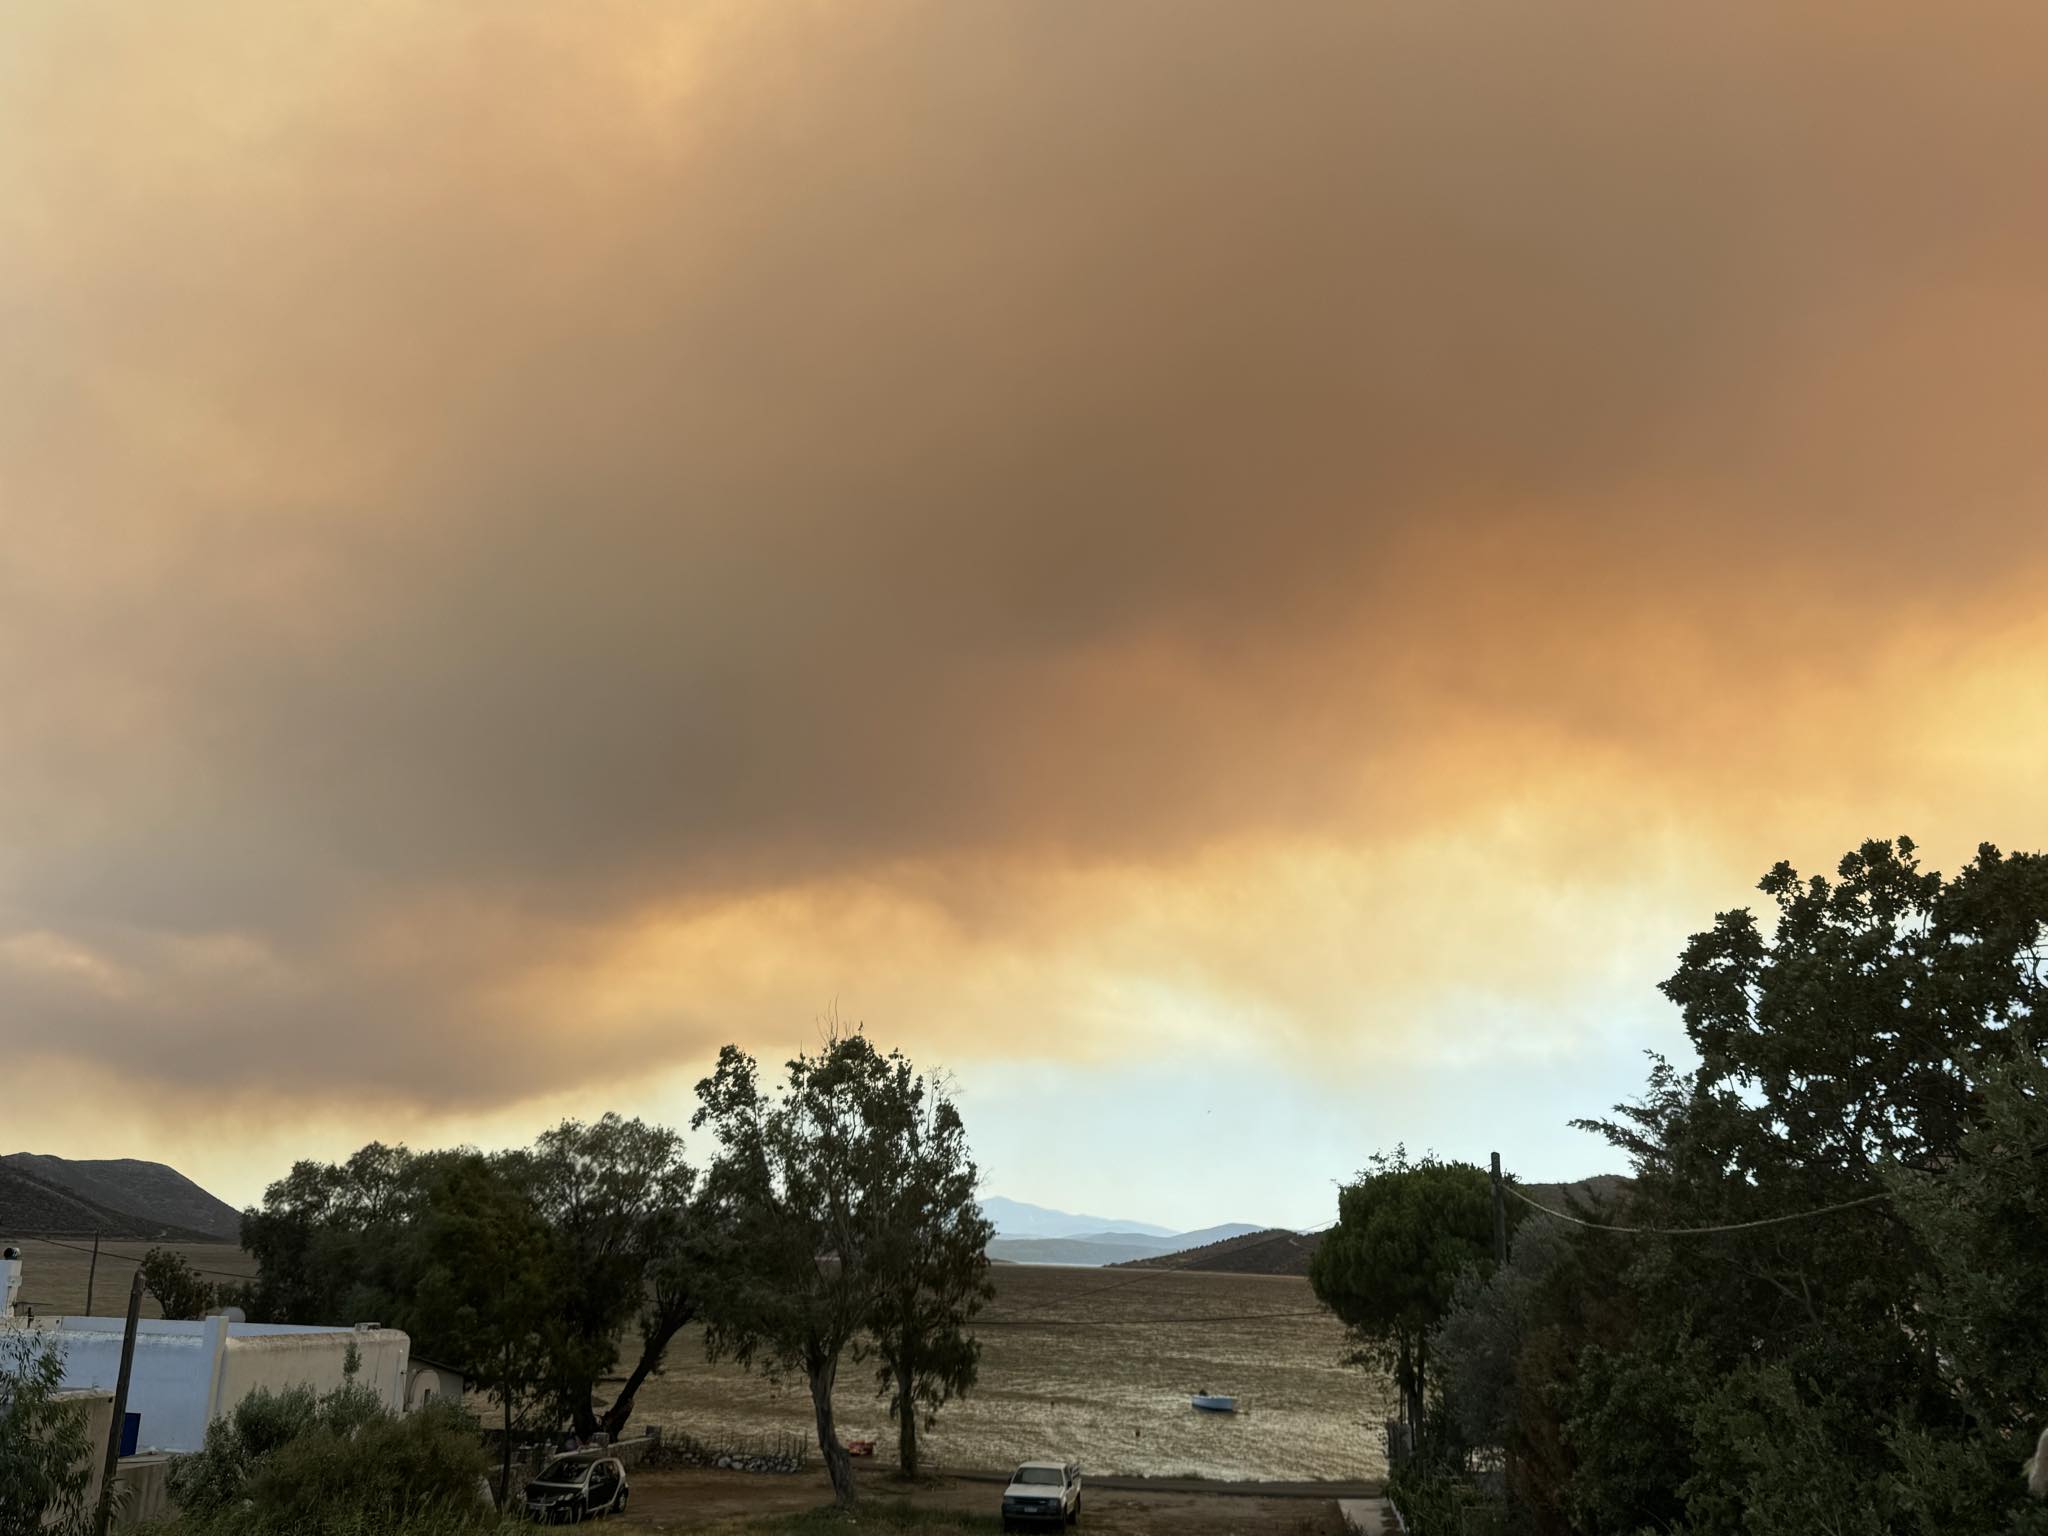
1732, 1226
225, 1274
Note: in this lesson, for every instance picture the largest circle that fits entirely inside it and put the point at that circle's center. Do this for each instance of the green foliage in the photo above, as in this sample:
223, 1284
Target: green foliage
615, 1196
525, 1269
805, 1198
340, 1465
46, 1453
1878, 1368
1479, 1344
933, 1268
379, 1474
180, 1291
1389, 1267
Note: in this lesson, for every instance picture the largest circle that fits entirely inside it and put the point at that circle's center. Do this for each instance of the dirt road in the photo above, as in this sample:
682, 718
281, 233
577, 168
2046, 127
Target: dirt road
690, 1499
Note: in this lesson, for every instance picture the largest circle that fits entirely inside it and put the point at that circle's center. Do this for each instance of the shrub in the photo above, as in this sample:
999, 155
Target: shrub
381, 1476
338, 1465
45, 1451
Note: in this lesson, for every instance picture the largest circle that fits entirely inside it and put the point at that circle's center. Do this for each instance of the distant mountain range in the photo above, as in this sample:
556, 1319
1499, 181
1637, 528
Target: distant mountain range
116, 1197
1015, 1218
1037, 1234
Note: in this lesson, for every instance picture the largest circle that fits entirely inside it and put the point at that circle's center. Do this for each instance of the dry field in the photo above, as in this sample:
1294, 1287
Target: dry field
53, 1275
1097, 1365
1090, 1364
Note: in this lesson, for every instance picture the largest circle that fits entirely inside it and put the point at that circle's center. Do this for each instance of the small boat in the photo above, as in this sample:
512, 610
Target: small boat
860, 1447
1210, 1402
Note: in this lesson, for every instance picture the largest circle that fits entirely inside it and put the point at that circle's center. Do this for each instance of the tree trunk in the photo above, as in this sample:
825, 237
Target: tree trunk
906, 1423
652, 1348
1421, 1384
505, 1470
583, 1412
838, 1465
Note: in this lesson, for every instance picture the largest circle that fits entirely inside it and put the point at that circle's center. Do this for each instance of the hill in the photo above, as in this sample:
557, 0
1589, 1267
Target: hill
1603, 1189
1104, 1248
122, 1194
1276, 1251
29, 1205
1265, 1251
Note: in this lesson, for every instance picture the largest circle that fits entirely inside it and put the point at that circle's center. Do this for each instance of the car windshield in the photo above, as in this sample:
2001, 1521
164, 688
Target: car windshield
1049, 1476
565, 1472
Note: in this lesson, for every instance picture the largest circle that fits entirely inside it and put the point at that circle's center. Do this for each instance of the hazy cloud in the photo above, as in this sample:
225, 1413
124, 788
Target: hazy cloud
522, 519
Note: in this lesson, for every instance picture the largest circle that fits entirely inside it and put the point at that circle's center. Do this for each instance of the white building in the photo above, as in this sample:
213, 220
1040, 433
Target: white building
187, 1374
430, 1380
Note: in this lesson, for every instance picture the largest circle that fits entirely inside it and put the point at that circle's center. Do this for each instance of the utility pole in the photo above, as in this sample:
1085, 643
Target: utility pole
1500, 1263
114, 1430
1500, 1217
90, 1273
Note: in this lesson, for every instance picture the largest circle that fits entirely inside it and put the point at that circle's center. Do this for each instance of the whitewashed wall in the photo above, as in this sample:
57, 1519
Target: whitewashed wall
188, 1373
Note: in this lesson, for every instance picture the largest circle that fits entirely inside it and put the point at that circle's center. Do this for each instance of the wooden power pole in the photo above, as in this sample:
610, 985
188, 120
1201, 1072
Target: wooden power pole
1500, 1263
114, 1430
92, 1273
1500, 1217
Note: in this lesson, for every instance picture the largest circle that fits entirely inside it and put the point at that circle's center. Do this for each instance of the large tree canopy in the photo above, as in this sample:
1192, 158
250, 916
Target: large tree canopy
813, 1200
1869, 1066
1405, 1232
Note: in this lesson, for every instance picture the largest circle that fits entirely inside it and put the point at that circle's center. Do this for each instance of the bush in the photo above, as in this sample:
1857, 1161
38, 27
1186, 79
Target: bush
385, 1475
45, 1451
338, 1465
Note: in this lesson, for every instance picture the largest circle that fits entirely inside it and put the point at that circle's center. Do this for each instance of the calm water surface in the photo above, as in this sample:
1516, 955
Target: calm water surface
1097, 1365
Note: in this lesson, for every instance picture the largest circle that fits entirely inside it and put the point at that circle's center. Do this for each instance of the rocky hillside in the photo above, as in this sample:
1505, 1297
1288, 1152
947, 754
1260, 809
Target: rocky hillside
135, 1198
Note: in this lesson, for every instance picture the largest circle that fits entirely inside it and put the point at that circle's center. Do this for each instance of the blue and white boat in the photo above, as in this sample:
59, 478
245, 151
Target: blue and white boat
1211, 1402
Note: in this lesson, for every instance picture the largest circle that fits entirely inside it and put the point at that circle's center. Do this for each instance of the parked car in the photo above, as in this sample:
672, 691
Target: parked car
573, 1488
1043, 1493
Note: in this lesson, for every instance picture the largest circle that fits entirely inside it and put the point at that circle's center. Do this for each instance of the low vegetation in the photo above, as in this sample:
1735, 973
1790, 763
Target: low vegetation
45, 1451
293, 1464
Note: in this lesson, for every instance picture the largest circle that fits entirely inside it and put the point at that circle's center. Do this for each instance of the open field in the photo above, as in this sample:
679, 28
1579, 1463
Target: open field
1097, 1365
1084, 1363
53, 1275
735, 1502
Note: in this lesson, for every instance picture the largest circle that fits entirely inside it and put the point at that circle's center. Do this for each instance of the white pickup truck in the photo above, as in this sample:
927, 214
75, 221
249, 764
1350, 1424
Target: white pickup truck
1043, 1493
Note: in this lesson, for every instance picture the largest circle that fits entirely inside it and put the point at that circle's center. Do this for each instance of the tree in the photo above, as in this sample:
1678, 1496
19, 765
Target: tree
802, 1196
610, 1223
934, 1275
615, 1195
46, 1455
1871, 1067
488, 1287
1389, 1266
330, 1239
180, 1291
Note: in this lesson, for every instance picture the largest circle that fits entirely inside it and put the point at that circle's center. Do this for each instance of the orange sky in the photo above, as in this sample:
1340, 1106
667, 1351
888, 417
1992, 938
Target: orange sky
1085, 536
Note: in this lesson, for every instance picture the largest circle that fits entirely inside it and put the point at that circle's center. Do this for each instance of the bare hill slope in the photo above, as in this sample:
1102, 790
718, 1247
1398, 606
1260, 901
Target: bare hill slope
139, 1197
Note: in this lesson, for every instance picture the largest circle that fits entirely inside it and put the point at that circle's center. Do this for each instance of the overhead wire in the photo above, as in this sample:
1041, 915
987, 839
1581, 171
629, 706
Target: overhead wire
1729, 1226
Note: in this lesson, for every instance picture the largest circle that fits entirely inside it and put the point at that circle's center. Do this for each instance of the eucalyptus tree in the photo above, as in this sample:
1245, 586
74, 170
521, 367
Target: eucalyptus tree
934, 1274
803, 1199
